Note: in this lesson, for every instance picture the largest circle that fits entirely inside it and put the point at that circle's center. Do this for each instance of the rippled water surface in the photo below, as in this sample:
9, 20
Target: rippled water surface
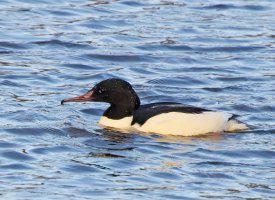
215, 54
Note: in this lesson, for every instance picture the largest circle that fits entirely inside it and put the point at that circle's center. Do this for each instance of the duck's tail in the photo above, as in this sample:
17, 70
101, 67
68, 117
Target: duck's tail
235, 125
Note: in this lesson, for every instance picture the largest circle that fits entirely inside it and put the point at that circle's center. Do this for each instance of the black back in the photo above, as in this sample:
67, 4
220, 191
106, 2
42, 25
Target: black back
145, 112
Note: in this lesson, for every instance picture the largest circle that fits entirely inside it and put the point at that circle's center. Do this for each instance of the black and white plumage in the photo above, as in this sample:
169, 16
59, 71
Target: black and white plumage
126, 113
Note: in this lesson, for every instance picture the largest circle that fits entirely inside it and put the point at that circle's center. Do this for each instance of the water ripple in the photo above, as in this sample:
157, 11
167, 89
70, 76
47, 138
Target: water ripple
16, 156
64, 44
232, 6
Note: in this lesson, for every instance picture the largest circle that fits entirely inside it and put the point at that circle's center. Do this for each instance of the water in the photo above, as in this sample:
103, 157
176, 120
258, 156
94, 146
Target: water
218, 55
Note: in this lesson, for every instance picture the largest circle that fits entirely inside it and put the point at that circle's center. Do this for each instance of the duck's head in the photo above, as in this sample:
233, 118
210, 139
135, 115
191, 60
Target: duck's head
115, 91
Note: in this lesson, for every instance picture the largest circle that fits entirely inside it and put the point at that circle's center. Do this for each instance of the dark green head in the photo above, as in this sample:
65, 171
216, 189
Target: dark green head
117, 92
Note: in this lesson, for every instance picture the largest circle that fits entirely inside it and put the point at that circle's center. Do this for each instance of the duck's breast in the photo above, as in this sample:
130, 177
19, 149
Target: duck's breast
124, 123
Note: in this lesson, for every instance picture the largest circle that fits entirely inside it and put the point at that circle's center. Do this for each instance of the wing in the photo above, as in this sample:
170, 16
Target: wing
145, 112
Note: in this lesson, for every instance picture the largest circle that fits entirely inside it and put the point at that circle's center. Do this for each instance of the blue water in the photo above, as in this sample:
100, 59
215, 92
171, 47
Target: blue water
215, 54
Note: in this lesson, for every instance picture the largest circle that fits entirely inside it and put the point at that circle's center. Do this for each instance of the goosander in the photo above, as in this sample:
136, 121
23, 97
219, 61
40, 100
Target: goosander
126, 113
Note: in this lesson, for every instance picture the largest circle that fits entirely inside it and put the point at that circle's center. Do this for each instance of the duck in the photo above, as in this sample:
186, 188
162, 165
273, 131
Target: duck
125, 113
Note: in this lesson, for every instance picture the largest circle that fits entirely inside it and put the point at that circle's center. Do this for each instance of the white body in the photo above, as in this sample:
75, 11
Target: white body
177, 123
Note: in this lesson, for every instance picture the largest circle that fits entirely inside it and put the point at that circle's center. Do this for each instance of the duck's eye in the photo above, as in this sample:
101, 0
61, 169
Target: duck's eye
100, 91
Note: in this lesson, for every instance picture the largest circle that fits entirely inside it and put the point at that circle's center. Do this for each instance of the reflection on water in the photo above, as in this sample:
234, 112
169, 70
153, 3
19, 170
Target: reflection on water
215, 55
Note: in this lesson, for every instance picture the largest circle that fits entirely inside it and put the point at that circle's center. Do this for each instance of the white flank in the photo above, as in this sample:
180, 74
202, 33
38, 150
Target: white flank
124, 123
186, 124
